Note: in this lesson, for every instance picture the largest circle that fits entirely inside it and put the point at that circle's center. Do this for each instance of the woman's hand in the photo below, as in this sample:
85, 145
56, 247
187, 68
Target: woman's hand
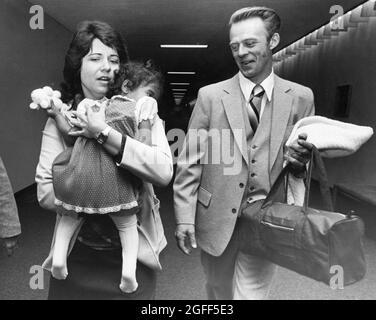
90, 124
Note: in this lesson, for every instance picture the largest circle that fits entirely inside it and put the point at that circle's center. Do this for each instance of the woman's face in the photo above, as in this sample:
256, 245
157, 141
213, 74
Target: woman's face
97, 70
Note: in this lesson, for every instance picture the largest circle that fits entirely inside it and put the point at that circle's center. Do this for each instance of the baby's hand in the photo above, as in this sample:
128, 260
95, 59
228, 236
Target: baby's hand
53, 110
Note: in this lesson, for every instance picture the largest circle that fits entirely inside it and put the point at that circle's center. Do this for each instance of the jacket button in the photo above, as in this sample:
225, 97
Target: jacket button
253, 174
234, 210
241, 185
253, 161
252, 188
254, 146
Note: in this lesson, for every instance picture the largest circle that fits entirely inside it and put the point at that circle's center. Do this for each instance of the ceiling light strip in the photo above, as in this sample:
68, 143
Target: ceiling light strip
181, 72
184, 46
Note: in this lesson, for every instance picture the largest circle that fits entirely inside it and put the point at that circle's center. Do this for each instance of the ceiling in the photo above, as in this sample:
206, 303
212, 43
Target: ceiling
145, 24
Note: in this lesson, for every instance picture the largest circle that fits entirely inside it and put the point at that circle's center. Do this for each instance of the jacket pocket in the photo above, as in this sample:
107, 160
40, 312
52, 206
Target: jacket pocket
204, 196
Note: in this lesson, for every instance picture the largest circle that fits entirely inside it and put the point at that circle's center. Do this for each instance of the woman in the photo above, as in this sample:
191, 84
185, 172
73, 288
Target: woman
92, 59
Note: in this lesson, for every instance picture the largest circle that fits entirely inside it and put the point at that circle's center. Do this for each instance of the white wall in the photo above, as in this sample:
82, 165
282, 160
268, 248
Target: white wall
349, 58
29, 59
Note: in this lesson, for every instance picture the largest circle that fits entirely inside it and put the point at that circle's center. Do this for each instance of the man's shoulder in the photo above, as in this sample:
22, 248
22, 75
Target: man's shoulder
297, 89
217, 87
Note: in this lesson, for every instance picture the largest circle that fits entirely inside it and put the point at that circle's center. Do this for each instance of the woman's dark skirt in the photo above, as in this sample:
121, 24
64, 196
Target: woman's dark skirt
95, 275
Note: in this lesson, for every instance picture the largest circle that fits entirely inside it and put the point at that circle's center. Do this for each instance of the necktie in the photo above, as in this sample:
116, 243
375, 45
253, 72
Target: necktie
255, 102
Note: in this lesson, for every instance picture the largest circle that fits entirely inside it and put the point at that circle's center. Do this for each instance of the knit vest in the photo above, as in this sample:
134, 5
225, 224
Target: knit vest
258, 147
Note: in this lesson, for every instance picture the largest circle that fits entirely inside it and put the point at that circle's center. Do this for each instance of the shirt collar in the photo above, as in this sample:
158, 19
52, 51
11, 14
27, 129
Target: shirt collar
247, 85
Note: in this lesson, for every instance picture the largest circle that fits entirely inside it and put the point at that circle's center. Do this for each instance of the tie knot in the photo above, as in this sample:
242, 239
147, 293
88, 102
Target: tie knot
257, 91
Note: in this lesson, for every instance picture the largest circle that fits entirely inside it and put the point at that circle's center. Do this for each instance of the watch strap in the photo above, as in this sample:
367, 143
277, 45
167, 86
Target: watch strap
103, 135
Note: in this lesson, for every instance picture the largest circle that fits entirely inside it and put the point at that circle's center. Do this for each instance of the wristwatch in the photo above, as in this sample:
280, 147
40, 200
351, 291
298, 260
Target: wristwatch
103, 135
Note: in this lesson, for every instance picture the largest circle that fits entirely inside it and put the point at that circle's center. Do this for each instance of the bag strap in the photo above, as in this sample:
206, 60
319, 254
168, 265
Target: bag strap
315, 161
277, 184
318, 163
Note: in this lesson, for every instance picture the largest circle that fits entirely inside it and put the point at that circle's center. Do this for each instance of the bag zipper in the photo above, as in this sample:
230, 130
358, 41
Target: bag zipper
276, 226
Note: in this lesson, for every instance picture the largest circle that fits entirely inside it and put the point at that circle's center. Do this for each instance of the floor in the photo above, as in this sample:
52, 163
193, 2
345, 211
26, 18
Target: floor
182, 277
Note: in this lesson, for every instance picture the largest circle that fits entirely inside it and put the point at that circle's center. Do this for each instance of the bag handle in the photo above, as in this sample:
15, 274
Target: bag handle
316, 161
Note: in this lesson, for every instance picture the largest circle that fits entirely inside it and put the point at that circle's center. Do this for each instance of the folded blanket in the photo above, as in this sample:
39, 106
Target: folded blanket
332, 138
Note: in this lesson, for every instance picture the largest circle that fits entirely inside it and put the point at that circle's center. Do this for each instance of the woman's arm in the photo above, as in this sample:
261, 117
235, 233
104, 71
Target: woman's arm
61, 123
64, 128
52, 145
150, 163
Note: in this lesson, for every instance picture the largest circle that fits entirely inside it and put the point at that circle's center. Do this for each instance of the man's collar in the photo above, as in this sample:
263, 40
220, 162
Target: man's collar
247, 85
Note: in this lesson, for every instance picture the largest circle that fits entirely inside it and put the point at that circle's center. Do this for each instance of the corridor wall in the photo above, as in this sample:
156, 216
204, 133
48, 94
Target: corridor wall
29, 59
346, 59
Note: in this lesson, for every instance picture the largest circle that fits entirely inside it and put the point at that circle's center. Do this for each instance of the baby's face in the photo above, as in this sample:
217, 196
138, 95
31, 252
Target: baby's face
143, 90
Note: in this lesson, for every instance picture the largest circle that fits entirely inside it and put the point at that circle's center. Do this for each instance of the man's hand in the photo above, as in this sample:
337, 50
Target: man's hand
10, 245
299, 154
185, 237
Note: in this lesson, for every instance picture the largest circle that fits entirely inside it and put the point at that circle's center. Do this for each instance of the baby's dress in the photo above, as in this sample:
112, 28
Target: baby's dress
86, 178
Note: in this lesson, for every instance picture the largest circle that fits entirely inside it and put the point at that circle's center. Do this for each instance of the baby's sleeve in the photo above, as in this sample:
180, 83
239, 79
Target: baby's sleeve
146, 109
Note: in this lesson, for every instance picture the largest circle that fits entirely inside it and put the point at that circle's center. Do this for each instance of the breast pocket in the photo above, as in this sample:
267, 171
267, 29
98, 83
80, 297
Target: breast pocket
204, 196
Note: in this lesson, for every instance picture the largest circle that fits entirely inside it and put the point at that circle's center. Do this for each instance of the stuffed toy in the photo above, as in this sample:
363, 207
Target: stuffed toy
42, 98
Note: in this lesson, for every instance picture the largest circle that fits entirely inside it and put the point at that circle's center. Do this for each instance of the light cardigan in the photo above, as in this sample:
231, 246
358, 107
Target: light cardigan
153, 164
332, 138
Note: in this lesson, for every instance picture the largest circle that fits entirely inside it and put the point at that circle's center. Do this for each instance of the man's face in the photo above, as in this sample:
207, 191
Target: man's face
250, 48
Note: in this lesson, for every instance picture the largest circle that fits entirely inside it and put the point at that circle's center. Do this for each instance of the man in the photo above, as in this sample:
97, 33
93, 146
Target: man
10, 227
208, 199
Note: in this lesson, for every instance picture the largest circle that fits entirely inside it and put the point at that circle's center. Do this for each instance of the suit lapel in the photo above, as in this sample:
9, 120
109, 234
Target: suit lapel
232, 103
282, 106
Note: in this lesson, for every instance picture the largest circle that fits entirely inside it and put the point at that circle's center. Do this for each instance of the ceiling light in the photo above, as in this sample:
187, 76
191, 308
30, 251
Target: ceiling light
184, 46
181, 72
179, 89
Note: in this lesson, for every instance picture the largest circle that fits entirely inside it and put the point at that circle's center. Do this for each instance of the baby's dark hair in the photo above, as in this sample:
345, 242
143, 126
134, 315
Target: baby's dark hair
138, 73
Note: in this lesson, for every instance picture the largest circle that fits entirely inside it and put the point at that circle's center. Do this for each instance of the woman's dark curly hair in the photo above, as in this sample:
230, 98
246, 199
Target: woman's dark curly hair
137, 73
80, 45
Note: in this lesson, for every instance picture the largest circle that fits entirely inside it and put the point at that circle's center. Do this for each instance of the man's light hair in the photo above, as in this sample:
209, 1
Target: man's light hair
269, 16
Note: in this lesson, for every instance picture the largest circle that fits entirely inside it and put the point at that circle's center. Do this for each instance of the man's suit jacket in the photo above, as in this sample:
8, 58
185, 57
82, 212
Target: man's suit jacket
206, 194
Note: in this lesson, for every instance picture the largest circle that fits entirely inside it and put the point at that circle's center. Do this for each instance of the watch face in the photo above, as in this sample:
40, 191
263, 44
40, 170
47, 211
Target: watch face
101, 138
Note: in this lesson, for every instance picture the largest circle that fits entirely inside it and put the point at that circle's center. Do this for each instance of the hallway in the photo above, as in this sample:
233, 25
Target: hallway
182, 277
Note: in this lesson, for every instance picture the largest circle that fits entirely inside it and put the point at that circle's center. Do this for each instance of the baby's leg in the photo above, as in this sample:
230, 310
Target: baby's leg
68, 224
127, 226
